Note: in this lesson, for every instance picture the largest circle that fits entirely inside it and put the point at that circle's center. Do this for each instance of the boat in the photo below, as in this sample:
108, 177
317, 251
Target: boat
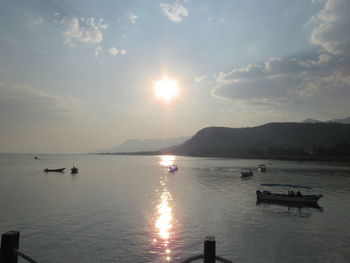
74, 170
262, 168
173, 168
246, 173
54, 170
289, 197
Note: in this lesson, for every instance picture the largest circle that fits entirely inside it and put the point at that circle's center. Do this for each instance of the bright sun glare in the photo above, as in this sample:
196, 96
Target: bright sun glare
166, 90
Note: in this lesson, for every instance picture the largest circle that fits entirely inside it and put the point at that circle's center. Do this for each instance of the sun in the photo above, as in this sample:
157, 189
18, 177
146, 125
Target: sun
166, 90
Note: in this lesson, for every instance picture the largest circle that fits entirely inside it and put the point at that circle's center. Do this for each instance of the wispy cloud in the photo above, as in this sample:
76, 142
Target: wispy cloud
174, 11
87, 30
33, 21
200, 78
114, 51
133, 18
279, 80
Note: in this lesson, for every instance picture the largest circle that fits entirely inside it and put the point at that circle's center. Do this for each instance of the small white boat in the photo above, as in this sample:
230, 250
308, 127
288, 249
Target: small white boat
246, 173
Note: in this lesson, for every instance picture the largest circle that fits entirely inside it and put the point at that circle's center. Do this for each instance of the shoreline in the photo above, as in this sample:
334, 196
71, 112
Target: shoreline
342, 160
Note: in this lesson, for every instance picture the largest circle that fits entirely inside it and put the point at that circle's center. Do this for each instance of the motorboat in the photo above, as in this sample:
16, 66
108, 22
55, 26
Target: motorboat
246, 173
290, 197
262, 168
173, 168
54, 170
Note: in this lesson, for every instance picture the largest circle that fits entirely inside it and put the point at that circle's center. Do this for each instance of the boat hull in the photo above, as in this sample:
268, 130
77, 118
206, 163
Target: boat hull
246, 174
54, 170
274, 197
289, 204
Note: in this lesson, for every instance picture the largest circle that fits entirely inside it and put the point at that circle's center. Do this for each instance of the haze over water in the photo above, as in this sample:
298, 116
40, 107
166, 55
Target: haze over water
131, 209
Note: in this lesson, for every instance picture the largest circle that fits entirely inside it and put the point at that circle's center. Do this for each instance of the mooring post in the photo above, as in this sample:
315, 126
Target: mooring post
209, 250
9, 242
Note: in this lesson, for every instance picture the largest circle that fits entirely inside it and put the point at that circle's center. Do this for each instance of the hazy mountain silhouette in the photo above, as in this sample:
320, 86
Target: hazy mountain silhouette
145, 145
311, 121
344, 120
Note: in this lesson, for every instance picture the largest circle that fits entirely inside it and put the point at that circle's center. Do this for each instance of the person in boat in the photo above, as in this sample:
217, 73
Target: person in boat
298, 193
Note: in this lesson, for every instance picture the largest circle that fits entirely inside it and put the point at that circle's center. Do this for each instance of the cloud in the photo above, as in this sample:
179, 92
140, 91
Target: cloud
87, 30
174, 11
266, 82
332, 33
133, 18
282, 80
200, 78
113, 51
56, 13
22, 103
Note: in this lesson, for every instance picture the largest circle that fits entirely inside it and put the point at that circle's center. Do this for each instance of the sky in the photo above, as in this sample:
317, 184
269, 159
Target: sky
80, 75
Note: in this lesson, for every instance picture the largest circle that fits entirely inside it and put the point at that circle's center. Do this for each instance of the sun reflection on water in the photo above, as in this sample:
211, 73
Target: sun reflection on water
167, 160
164, 217
163, 222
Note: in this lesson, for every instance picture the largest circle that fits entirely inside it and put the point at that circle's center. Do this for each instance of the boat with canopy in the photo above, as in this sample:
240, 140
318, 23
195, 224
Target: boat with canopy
293, 194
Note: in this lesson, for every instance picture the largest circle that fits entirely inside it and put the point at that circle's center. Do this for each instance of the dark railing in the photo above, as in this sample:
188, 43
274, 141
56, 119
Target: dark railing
10, 244
9, 248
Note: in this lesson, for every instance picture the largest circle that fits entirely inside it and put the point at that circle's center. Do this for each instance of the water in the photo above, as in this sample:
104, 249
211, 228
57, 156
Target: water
130, 209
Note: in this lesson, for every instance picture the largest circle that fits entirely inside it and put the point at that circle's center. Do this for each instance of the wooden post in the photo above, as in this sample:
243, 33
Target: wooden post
209, 250
9, 242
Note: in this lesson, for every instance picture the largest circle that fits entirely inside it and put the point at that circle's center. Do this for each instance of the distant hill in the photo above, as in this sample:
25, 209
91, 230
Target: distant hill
344, 120
269, 140
145, 145
311, 121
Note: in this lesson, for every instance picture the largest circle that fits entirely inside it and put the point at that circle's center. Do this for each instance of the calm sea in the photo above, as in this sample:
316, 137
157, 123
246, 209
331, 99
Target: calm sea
131, 209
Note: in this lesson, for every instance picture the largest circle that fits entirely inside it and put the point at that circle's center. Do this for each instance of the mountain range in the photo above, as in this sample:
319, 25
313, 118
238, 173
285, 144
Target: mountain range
269, 140
344, 120
309, 137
